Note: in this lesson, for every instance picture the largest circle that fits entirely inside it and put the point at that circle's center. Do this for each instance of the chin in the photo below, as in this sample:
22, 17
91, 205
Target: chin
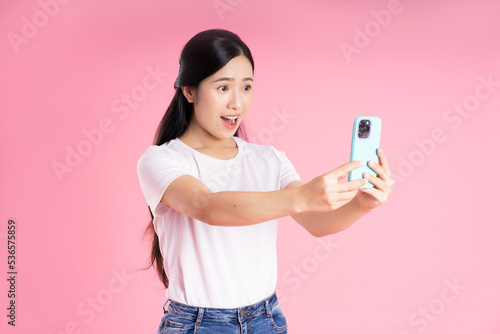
230, 135
224, 135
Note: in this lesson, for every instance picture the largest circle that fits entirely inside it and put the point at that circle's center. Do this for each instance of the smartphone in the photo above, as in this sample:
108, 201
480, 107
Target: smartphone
364, 145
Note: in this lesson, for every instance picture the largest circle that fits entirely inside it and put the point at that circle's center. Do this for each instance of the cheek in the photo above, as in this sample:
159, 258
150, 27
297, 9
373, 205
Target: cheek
251, 98
212, 100
250, 93
248, 100
203, 105
203, 115
207, 112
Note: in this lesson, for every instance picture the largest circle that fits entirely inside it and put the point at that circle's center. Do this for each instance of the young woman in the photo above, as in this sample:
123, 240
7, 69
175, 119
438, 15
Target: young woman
215, 199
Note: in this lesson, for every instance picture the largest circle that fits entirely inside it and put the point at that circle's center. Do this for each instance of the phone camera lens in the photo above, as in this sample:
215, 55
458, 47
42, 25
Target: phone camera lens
364, 128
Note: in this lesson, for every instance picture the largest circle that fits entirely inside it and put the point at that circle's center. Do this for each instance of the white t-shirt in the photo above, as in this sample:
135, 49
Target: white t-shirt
215, 266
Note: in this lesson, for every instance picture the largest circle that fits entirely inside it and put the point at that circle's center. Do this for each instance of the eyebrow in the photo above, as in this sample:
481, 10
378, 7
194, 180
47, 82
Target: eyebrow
232, 79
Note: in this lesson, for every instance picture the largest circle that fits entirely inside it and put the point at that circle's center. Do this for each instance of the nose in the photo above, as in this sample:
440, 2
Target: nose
235, 101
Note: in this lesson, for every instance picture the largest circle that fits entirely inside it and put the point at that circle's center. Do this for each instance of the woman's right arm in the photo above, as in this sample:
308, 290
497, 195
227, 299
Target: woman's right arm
189, 196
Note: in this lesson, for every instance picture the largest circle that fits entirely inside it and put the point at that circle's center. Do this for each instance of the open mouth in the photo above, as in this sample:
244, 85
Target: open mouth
229, 120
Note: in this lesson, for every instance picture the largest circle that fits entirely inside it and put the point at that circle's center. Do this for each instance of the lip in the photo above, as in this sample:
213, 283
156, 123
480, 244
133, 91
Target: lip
231, 126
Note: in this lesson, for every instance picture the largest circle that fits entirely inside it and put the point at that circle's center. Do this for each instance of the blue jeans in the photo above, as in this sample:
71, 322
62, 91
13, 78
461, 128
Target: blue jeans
260, 318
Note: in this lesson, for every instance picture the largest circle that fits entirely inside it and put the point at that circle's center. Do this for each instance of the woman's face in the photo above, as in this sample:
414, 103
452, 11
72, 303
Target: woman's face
222, 100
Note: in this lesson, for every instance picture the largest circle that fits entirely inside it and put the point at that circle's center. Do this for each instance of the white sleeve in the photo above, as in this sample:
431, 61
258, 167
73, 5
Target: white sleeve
156, 170
288, 172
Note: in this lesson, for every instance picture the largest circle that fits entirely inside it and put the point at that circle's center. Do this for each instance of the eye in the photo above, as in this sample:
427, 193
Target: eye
247, 87
222, 88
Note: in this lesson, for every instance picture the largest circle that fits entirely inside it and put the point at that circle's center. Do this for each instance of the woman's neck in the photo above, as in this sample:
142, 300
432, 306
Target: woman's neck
198, 138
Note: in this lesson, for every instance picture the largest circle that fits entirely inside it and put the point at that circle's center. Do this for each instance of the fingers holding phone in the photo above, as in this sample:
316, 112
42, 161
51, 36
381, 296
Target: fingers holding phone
383, 172
326, 193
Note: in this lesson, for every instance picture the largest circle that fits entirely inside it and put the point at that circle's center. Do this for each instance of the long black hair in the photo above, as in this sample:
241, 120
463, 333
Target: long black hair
203, 55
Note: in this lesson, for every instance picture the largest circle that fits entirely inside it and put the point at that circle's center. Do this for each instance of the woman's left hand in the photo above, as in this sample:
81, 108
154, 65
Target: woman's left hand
370, 198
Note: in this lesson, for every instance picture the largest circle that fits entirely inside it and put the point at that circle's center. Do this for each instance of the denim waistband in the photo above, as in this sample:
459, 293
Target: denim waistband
241, 313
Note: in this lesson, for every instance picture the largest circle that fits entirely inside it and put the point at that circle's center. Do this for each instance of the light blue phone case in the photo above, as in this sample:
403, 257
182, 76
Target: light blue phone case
365, 149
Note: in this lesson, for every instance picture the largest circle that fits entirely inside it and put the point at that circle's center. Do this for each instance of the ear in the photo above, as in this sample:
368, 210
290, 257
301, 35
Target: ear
189, 93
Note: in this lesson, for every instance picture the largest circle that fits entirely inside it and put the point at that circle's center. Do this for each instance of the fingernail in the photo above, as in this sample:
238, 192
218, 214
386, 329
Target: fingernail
361, 163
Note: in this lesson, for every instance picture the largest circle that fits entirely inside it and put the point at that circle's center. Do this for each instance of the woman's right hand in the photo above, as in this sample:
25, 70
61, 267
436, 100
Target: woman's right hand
326, 193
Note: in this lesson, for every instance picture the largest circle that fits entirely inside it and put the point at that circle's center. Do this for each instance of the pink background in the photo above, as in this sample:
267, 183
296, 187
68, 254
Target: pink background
389, 273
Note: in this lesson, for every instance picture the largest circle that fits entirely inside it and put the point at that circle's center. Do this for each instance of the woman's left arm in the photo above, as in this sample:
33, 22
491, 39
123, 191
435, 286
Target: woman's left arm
321, 224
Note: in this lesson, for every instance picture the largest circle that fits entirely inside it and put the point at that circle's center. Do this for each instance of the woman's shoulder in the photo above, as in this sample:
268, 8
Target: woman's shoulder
168, 149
